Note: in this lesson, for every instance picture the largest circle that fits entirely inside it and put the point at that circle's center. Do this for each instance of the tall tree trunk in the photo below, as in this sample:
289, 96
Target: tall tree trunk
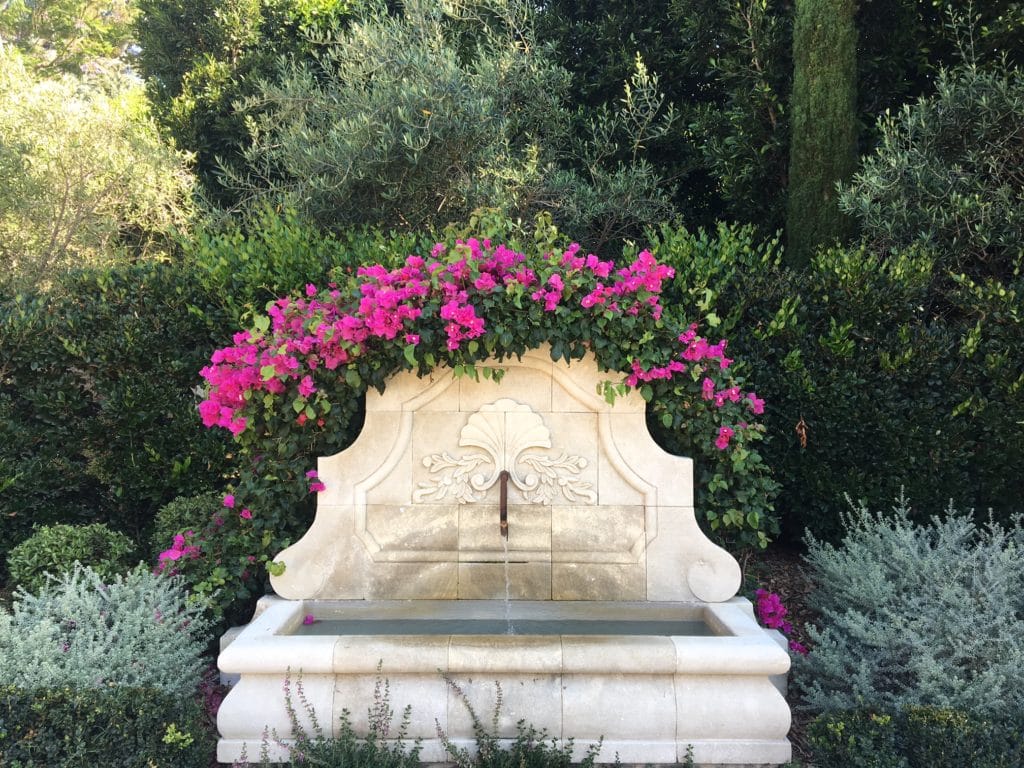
823, 114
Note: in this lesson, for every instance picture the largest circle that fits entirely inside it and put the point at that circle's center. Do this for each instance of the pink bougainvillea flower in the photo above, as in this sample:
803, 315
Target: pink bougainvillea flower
724, 435
309, 619
312, 473
412, 338
771, 612
245, 514
317, 487
306, 386
797, 647
707, 389
756, 403
310, 290
485, 282
229, 501
179, 549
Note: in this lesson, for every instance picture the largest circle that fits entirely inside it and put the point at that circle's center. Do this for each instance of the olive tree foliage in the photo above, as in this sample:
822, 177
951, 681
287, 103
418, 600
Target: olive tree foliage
414, 118
84, 176
725, 66
58, 36
604, 189
201, 56
948, 173
742, 134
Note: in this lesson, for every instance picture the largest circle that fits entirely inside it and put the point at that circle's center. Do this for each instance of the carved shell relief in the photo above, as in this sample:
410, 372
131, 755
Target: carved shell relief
506, 433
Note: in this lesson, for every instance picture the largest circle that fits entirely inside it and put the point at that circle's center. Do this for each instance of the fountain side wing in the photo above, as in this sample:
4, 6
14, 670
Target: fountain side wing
599, 521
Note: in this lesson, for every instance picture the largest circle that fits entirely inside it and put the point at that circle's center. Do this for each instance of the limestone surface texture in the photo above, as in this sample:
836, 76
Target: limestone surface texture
600, 524
596, 510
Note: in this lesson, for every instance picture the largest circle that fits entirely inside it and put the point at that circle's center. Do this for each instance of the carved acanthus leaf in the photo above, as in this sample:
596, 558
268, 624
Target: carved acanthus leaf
454, 479
505, 429
557, 474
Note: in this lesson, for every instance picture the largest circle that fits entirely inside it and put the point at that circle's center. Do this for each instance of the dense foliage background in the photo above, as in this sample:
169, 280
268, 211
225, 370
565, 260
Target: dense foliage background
272, 150
838, 187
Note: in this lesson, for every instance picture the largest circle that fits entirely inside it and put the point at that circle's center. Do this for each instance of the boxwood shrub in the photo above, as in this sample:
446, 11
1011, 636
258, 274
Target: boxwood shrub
54, 549
916, 737
112, 727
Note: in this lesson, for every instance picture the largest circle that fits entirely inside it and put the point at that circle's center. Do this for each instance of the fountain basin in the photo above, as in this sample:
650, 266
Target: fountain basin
674, 675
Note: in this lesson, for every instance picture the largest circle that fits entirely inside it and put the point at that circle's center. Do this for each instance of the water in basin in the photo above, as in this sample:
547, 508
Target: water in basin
501, 627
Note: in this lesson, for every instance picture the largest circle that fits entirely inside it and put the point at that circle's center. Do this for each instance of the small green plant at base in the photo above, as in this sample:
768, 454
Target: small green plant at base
915, 737
178, 738
382, 748
529, 749
65, 726
379, 748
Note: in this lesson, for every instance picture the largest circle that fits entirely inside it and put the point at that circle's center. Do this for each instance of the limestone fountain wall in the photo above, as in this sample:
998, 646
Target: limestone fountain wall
600, 523
596, 510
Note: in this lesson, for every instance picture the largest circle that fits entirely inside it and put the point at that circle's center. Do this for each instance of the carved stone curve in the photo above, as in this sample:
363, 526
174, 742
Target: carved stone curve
505, 431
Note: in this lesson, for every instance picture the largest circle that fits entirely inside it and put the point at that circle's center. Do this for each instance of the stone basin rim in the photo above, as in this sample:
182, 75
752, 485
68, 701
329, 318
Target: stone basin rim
741, 648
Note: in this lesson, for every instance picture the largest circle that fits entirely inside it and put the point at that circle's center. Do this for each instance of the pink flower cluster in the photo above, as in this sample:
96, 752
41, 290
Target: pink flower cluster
641, 280
772, 614
698, 352
229, 502
181, 548
552, 295
324, 332
315, 484
305, 335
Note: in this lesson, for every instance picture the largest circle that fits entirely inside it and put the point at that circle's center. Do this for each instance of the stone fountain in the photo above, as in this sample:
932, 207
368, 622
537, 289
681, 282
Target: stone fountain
529, 502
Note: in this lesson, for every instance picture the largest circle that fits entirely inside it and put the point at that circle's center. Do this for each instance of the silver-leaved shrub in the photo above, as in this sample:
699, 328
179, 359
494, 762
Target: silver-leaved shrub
917, 615
87, 630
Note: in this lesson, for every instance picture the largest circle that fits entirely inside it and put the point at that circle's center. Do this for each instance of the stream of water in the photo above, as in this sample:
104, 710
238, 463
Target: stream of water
509, 629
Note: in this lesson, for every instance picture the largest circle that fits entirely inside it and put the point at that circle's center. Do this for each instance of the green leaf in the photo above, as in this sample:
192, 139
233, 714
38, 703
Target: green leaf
268, 372
666, 420
352, 378
298, 404
410, 354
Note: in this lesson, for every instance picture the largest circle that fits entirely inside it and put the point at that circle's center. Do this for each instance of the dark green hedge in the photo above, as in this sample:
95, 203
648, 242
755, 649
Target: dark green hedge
920, 737
97, 412
893, 378
106, 728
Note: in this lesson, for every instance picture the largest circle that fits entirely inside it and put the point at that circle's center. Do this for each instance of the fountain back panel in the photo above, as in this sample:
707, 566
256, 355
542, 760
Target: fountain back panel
529, 500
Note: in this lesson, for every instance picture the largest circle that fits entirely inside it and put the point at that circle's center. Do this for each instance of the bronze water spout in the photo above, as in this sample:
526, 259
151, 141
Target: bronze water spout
503, 504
